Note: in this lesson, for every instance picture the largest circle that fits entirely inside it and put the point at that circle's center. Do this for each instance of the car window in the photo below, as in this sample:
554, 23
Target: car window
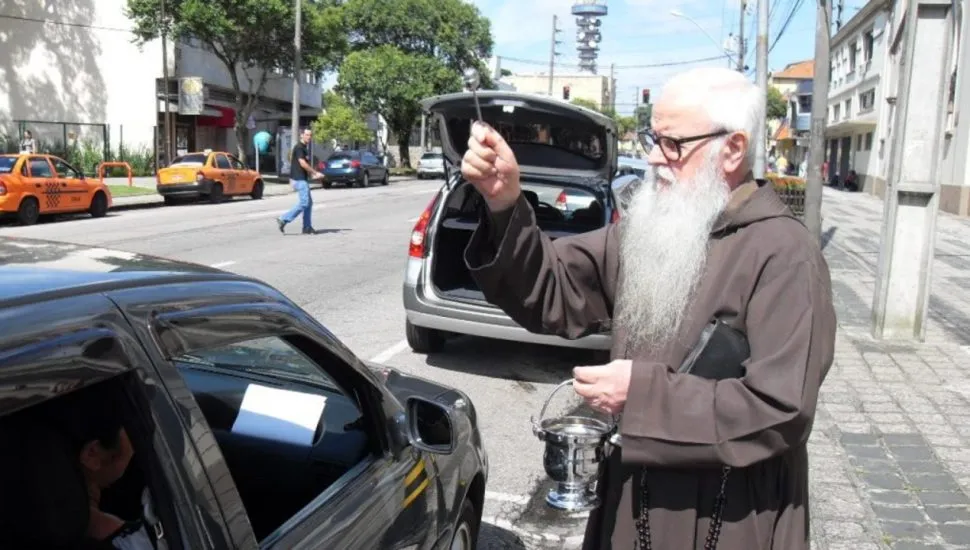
286, 430
431, 156
194, 159
222, 163
7, 164
41, 475
236, 165
65, 170
40, 168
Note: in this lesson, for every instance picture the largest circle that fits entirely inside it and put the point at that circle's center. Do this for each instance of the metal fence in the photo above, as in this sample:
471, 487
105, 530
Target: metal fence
85, 145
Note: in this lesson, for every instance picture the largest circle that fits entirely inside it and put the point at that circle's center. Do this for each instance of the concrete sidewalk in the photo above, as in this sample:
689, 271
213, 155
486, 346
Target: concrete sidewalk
272, 188
891, 446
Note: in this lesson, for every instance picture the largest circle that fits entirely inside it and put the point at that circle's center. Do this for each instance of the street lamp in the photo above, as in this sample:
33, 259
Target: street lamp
682, 15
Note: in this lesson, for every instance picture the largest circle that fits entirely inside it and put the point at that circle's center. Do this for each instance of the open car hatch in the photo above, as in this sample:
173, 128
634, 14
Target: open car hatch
549, 137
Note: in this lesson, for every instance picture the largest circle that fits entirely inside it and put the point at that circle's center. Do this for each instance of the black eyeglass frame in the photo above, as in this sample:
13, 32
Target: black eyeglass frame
648, 138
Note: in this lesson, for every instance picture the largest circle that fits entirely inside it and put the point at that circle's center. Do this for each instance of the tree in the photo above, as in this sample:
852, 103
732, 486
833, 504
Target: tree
340, 121
626, 124
587, 103
777, 106
389, 82
643, 114
250, 38
405, 50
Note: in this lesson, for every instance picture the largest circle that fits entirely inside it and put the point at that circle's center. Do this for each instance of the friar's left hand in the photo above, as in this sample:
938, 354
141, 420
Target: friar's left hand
604, 387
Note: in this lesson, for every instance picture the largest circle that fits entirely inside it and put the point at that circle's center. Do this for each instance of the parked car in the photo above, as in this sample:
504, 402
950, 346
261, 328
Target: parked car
213, 175
561, 148
633, 165
354, 168
431, 165
34, 185
251, 424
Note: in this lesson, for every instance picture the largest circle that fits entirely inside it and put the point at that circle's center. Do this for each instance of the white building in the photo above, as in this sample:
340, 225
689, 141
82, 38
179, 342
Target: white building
855, 99
73, 77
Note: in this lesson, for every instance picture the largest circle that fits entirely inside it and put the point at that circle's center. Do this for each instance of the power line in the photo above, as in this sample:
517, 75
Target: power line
64, 23
648, 66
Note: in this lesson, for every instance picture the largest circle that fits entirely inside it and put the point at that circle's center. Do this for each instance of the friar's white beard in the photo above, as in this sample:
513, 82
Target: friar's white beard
664, 247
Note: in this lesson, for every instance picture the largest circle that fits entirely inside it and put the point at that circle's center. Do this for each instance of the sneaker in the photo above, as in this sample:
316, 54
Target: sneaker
281, 224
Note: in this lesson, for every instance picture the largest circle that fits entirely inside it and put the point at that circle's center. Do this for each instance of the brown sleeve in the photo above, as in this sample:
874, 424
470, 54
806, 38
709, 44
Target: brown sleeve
682, 420
547, 287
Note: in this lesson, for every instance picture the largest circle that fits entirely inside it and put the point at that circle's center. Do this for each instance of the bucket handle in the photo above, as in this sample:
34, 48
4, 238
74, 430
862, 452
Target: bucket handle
542, 412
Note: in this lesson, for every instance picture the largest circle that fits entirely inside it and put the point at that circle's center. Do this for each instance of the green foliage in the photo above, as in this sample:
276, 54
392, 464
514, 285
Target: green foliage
405, 50
626, 124
583, 102
340, 121
776, 107
643, 114
248, 34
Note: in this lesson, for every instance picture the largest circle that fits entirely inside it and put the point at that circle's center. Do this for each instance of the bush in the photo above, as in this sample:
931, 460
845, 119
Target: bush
786, 183
403, 171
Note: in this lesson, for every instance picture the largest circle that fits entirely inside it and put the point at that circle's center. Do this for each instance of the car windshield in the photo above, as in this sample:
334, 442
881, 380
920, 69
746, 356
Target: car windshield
6, 164
431, 156
195, 159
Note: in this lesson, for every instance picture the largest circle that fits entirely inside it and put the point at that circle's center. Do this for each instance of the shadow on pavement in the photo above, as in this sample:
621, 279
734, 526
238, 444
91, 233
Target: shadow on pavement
827, 236
492, 537
525, 363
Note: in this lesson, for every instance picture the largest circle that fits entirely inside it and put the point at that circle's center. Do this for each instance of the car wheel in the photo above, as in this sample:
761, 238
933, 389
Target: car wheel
327, 185
366, 181
29, 211
169, 201
387, 177
466, 532
257, 192
215, 194
424, 340
99, 205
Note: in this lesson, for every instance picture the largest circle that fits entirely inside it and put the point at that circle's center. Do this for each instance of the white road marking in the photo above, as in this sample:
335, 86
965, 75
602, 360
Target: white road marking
506, 497
222, 264
390, 352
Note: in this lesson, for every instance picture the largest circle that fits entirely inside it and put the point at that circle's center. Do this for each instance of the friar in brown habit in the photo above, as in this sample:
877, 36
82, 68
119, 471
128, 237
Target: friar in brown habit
702, 462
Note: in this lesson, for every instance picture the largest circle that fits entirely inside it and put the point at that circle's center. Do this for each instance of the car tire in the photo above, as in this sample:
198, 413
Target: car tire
424, 340
466, 530
215, 194
327, 185
365, 180
387, 177
99, 205
257, 192
169, 201
29, 211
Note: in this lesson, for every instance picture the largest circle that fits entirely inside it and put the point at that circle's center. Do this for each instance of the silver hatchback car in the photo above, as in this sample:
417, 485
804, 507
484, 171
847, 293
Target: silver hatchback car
563, 150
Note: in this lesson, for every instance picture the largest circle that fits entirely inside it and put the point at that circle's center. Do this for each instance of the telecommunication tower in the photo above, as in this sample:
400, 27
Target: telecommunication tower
589, 14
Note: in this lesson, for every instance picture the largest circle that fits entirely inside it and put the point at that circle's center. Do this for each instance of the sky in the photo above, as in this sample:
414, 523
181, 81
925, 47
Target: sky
644, 32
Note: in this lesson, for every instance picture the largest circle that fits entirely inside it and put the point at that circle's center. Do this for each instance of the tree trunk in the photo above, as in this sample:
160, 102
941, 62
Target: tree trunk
242, 138
404, 149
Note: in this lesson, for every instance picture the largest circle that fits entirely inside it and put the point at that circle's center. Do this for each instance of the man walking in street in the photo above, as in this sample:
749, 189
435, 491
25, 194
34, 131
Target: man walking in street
300, 173
702, 462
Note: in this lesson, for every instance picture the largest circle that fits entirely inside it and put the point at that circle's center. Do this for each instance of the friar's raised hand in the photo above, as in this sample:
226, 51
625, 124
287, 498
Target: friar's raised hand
490, 166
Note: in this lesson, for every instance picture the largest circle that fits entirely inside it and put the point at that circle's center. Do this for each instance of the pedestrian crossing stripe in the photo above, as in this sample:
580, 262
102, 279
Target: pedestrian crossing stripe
415, 483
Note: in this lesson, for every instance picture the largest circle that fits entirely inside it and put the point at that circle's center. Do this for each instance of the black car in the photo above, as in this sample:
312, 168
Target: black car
354, 168
250, 424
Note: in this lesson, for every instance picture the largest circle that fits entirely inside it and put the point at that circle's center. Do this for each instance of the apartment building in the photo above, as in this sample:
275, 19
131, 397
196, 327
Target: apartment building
790, 135
73, 77
855, 139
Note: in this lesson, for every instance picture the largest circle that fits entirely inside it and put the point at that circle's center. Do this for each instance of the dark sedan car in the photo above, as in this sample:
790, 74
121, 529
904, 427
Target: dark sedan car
354, 168
238, 420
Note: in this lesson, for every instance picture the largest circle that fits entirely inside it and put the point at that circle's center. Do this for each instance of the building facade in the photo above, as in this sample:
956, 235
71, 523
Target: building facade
855, 139
77, 82
790, 135
591, 87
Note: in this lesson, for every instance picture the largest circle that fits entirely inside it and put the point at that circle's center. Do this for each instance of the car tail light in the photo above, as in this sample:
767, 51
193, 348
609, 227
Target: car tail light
561, 200
355, 164
615, 217
419, 234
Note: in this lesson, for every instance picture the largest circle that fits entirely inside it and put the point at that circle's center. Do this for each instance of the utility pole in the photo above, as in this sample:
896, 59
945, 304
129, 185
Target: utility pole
816, 144
901, 299
613, 87
297, 62
744, 6
167, 122
552, 50
762, 77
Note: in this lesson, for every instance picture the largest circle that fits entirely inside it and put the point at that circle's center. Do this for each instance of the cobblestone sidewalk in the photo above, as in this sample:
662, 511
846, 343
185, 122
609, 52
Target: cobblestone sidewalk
890, 454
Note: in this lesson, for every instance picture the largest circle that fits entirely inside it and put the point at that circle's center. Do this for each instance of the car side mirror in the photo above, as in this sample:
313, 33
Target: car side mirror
624, 188
430, 426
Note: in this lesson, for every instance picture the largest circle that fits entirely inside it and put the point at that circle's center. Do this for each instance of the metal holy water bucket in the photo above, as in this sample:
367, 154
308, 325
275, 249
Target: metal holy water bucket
575, 447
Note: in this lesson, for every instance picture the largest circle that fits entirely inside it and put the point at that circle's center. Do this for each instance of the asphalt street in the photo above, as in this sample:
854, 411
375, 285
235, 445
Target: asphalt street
349, 276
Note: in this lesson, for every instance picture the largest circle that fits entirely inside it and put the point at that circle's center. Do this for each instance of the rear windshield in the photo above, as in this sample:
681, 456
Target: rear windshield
6, 164
431, 156
344, 156
192, 159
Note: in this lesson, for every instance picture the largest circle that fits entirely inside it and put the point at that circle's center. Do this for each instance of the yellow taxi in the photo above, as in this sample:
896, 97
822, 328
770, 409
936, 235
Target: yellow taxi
214, 175
32, 185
